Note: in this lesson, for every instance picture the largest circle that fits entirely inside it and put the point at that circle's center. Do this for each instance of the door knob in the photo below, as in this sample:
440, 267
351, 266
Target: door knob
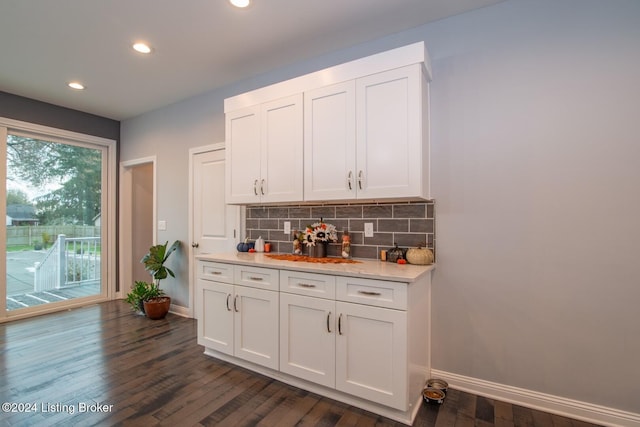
195, 245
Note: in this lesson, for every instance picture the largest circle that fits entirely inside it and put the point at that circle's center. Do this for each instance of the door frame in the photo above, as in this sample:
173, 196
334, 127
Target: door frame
125, 274
240, 222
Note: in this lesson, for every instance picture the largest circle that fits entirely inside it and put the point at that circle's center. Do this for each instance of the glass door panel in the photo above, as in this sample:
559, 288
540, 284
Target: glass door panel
53, 225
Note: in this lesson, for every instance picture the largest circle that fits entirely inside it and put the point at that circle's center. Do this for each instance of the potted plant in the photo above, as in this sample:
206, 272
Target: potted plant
140, 292
155, 304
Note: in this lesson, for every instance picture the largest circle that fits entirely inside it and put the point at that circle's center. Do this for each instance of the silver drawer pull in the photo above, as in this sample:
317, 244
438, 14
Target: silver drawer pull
257, 279
216, 272
306, 285
369, 293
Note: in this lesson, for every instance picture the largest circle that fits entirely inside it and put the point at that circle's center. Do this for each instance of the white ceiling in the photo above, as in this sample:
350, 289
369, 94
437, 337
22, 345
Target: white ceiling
198, 45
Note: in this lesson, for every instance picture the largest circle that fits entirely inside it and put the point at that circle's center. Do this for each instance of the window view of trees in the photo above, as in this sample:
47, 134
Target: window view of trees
68, 178
53, 234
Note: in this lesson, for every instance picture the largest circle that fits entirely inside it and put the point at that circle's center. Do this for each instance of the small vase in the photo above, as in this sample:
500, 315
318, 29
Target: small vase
319, 250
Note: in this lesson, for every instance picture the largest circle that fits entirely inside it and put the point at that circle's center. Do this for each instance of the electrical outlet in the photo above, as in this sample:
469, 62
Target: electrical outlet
368, 229
162, 225
287, 227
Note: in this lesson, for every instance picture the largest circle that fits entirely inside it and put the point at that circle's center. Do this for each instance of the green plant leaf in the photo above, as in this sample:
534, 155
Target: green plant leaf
156, 257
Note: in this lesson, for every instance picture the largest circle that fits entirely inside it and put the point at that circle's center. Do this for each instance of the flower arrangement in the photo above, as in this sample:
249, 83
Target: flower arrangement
320, 232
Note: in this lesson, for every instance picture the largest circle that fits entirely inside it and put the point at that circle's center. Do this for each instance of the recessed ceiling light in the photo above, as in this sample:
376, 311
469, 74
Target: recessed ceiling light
76, 85
142, 48
240, 3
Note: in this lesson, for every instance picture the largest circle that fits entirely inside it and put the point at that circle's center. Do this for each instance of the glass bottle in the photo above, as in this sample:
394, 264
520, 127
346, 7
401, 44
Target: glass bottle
346, 245
297, 247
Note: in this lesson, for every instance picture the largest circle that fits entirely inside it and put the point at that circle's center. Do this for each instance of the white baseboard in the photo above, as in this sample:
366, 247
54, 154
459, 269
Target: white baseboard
545, 402
181, 311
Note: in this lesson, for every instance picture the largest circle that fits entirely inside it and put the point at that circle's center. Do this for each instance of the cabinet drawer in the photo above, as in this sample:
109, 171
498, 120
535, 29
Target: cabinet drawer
379, 293
310, 284
256, 277
215, 271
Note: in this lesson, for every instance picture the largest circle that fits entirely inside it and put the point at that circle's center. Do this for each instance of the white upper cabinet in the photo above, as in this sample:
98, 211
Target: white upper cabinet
243, 155
330, 142
392, 142
368, 138
365, 133
264, 152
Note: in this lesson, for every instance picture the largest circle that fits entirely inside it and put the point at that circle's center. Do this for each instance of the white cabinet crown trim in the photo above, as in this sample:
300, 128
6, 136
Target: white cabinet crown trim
406, 55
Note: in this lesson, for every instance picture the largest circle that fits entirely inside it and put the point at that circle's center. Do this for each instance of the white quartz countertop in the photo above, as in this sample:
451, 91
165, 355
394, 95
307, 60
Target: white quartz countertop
364, 268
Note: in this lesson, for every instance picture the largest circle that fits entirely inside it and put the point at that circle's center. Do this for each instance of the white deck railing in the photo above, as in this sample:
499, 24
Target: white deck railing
69, 262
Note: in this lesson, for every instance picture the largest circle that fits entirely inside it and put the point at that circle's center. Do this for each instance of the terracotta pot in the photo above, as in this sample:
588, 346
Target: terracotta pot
157, 308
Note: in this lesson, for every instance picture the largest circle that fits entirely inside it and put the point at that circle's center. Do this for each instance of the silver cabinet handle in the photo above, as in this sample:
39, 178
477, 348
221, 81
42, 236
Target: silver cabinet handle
216, 272
369, 293
195, 245
255, 187
328, 320
235, 304
349, 180
228, 296
262, 187
340, 324
360, 178
257, 279
306, 285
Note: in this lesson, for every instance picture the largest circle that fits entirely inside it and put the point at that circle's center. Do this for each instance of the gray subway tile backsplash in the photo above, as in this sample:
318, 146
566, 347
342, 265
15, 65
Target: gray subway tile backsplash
421, 225
377, 211
349, 212
393, 225
409, 211
408, 224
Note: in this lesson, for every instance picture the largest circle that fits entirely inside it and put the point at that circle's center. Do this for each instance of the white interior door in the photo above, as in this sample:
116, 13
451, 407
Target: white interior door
215, 224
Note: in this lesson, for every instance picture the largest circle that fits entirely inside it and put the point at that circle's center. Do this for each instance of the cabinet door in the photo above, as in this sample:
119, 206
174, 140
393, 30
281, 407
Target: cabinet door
389, 134
330, 142
307, 338
256, 326
243, 155
215, 315
281, 150
371, 353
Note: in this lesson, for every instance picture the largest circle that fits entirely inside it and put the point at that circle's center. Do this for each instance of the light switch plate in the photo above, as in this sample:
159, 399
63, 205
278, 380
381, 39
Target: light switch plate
287, 227
162, 225
368, 229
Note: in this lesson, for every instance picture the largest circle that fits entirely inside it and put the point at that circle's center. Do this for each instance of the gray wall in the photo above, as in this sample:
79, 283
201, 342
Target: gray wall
41, 113
535, 172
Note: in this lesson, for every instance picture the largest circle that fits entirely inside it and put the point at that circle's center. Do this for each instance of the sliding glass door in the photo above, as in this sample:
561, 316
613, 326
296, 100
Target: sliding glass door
56, 236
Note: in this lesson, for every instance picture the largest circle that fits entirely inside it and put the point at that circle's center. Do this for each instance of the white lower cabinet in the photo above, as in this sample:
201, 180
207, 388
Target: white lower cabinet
239, 321
307, 338
354, 348
371, 353
255, 326
357, 349
363, 341
215, 315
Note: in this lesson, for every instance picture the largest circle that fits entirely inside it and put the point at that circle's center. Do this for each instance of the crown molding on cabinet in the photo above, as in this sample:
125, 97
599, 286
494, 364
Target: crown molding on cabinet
406, 55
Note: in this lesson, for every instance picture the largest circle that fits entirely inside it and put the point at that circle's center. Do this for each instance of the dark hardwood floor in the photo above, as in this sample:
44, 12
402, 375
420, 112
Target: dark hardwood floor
140, 372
